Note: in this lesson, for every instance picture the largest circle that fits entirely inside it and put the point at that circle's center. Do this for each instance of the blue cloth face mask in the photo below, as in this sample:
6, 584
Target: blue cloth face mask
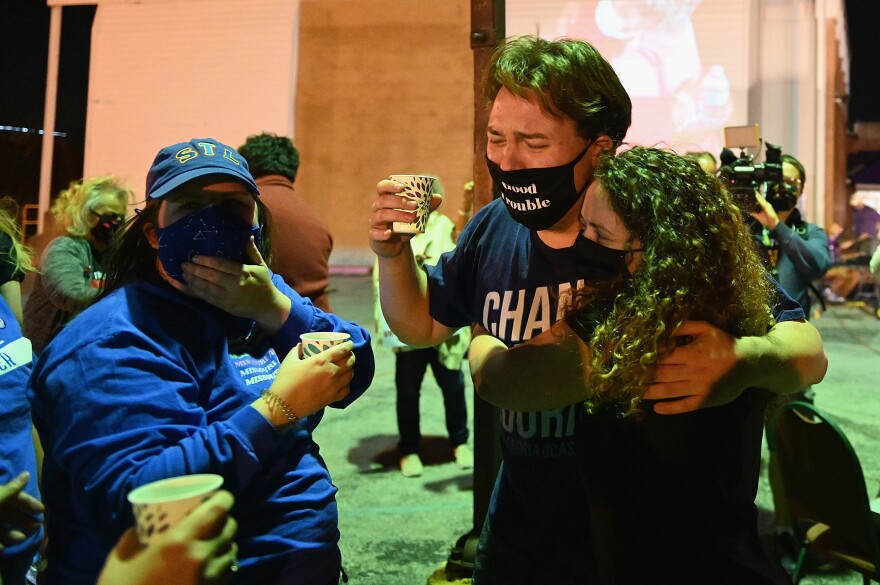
207, 232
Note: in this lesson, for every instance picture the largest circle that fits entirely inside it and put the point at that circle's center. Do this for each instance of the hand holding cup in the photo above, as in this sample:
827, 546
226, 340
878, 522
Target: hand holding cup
420, 189
394, 206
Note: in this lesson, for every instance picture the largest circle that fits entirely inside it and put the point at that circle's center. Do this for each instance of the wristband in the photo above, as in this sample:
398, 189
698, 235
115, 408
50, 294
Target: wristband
273, 399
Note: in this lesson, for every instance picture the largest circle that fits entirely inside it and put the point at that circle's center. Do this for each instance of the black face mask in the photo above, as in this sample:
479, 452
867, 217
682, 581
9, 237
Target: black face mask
782, 196
105, 228
602, 263
538, 198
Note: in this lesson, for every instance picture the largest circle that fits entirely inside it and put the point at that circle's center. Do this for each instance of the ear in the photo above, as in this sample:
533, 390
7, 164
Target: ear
150, 232
600, 145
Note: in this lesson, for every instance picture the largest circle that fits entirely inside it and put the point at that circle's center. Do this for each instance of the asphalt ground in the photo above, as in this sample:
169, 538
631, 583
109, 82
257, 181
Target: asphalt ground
399, 531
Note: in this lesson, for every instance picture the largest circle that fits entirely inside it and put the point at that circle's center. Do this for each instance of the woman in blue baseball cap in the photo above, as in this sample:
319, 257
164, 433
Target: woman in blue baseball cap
188, 364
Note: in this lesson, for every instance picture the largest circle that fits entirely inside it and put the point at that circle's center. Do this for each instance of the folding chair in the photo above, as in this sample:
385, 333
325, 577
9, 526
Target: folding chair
823, 482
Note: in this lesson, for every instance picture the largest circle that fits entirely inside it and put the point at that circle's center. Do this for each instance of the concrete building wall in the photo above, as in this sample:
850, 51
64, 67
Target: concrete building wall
163, 72
385, 86
365, 87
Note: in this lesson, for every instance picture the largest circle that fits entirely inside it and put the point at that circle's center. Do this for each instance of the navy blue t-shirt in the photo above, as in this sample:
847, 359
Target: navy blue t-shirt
503, 277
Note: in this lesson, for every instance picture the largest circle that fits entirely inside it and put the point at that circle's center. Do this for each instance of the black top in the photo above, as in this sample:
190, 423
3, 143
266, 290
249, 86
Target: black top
9, 269
671, 497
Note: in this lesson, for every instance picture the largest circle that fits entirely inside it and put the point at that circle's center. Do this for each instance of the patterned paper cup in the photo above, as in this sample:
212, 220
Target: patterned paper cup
316, 342
420, 188
160, 505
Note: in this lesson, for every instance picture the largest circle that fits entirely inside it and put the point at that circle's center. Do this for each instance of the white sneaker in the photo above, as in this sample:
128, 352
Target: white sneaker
464, 457
832, 297
411, 465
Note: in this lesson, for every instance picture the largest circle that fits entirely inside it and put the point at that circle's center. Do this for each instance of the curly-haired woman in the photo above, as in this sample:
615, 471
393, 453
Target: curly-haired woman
671, 497
71, 268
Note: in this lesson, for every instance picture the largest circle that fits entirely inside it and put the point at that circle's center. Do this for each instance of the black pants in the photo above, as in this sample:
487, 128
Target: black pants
410, 371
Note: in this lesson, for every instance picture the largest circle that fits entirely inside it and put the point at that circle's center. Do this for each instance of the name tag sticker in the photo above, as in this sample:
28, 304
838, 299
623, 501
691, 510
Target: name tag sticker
16, 354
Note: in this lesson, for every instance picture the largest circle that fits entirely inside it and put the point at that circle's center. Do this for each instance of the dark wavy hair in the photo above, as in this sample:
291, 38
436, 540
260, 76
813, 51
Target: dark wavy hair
698, 262
569, 77
269, 154
131, 256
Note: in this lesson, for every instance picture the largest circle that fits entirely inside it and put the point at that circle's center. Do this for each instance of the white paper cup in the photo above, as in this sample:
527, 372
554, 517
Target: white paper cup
160, 505
420, 188
318, 341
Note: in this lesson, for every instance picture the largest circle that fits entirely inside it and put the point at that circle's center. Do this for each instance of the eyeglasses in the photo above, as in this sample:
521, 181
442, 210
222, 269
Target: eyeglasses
793, 182
110, 216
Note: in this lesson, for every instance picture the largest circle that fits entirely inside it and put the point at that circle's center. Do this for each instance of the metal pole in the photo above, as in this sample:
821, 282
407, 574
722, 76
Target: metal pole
487, 29
49, 116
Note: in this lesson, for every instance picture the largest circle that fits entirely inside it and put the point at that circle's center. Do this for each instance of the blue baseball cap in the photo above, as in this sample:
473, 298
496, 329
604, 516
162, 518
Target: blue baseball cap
182, 162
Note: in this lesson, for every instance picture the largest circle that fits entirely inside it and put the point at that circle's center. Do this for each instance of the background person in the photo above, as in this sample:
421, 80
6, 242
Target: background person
795, 251
15, 258
841, 279
466, 211
20, 509
670, 497
555, 107
205, 378
71, 271
865, 228
302, 257
705, 159
411, 363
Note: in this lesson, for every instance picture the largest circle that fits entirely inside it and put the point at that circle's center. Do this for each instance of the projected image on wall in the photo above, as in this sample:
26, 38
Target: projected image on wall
678, 60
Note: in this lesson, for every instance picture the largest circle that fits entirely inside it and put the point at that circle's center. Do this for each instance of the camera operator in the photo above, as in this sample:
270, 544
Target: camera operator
795, 251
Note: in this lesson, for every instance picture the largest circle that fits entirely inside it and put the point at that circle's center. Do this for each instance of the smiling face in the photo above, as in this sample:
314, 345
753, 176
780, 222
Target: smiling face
604, 226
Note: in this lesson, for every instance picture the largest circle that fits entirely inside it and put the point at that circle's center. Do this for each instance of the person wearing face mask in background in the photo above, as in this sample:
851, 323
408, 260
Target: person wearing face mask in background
205, 378
71, 270
671, 497
795, 251
555, 107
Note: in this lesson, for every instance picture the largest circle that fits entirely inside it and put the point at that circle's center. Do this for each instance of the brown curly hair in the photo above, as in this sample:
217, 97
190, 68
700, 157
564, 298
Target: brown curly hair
698, 263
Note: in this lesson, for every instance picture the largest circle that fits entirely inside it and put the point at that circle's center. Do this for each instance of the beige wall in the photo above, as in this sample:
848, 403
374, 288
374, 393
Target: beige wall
384, 86
163, 72
366, 88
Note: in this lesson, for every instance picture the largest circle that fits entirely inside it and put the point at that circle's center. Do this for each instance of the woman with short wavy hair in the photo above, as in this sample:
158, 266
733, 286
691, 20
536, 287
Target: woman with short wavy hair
71, 268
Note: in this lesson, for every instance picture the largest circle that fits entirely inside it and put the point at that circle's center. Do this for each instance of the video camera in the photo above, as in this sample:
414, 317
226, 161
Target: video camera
744, 177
